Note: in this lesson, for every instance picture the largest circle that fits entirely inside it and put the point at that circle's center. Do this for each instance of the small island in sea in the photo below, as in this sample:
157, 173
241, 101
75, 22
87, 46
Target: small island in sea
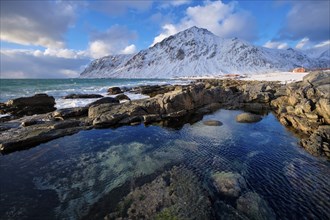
197, 126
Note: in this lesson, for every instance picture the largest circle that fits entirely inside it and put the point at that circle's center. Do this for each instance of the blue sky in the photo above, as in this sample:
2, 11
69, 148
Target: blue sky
56, 39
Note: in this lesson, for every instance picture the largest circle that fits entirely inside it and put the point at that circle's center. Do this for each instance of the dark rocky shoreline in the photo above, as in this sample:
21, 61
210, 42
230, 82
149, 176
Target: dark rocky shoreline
301, 106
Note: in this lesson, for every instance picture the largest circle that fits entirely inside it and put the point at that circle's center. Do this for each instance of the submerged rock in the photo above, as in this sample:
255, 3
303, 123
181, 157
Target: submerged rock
228, 183
212, 123
248, 118
255, 207
176, 194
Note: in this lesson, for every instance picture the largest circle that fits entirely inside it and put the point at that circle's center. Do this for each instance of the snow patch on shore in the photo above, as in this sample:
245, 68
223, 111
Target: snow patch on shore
283, 77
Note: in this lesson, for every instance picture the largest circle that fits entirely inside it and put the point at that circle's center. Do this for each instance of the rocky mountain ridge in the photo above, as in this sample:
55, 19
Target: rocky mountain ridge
198, 52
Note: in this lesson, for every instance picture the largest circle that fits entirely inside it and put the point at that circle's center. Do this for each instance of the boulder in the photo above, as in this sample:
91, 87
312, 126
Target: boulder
122, 97
103, 101
212, 123
254, 207
83, 96
36, 100
248, 118
106, 115
95, 111
37, 104
228, 183
114, 91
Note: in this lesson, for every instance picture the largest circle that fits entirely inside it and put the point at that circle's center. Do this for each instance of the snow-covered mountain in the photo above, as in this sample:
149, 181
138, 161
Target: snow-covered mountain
198, 52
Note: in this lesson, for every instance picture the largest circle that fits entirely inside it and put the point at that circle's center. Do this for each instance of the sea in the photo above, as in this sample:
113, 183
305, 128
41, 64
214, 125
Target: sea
85, 175
58, 88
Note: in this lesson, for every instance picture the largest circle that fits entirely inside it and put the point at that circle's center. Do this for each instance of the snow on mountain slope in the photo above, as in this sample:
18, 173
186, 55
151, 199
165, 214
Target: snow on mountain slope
322, 52
198, 52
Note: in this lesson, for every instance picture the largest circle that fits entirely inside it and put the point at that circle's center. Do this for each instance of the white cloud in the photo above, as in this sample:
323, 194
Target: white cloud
277, 45
224, 20
99, 49
307, 18
129, 49
41, 23
41, 64
323, 44
303, 43
168, 30
115, 40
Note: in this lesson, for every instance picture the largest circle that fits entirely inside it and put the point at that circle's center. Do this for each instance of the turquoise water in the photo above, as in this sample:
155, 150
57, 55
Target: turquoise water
65, 178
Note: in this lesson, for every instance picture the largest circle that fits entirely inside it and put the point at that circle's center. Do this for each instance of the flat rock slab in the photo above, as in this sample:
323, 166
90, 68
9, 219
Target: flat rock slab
71, 112
25, 137
212, 123
248, 118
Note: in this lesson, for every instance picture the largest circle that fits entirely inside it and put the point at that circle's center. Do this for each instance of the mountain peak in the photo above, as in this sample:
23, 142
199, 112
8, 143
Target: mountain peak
196, 30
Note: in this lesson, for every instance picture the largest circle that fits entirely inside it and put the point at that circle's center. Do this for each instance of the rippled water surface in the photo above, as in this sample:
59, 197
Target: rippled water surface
64, 178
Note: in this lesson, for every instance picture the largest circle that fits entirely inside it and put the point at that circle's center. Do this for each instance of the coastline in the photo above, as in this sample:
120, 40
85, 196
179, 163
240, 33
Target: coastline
179, 104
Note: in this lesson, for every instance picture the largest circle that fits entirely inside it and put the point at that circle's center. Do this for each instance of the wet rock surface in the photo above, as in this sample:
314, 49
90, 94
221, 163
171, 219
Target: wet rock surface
26, 136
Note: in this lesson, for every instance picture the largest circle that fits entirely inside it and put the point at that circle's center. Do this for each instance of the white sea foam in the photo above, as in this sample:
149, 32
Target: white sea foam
70, 103
4, 115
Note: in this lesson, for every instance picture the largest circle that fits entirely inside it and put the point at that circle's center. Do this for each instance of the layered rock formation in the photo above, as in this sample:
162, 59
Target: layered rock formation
306, 108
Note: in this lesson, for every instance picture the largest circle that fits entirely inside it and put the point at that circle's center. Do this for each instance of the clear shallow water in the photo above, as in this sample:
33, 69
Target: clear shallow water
14, 88
62, 179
